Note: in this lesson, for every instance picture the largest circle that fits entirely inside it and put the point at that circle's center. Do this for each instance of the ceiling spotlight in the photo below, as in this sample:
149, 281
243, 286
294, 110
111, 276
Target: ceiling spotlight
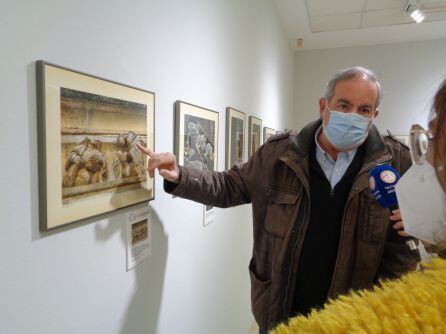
417, 15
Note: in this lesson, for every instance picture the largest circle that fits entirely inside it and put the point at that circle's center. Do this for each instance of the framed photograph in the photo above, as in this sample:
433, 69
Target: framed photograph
196, 140
254, 134
235, 137
267, 133
405, 139
88, 130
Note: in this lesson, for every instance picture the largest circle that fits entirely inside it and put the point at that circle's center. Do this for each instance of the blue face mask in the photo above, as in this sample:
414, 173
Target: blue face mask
347, 131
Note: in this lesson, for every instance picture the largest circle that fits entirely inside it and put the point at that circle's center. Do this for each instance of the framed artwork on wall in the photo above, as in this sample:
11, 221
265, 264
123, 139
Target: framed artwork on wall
235, 137
196, 140
267, 133
254, 134
88, 128
405, 139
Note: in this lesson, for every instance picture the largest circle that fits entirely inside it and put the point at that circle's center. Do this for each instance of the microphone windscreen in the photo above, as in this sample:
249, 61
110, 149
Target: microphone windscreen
382, 184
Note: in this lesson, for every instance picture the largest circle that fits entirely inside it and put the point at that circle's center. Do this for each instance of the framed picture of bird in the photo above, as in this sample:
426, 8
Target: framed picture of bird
196, 136
88, 128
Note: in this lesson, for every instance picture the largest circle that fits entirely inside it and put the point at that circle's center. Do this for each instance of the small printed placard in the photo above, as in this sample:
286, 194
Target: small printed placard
209, 215
138, 237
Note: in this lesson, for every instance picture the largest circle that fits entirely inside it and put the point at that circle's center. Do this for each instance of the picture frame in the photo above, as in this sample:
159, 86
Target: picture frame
235, 137
196, 136
88, 128
405, 139
267, 133
254, 135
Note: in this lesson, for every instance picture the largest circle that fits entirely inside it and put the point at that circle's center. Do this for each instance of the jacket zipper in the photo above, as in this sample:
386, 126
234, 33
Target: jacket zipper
297, 244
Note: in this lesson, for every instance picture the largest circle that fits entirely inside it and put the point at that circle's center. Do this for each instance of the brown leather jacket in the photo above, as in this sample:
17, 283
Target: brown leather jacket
275, 181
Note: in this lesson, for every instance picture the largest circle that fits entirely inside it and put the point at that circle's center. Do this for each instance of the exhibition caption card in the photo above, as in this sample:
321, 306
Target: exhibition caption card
139, 245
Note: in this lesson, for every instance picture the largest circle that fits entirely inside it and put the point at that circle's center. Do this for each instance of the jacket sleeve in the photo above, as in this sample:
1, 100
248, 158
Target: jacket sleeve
221, 189
397, 257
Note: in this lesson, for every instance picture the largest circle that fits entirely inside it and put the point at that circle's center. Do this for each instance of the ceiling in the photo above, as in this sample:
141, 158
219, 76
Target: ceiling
340, 23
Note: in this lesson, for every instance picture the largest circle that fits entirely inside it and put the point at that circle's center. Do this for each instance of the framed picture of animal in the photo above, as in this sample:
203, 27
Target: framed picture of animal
196, 136
196, 142
88, 128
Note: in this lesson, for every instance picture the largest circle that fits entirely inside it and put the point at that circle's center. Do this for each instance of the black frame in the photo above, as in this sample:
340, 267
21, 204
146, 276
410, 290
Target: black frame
177, 128
228, 133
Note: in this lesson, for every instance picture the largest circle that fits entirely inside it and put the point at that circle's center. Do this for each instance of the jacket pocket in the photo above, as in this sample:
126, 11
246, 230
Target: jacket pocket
260, 296
374, 219
281, 210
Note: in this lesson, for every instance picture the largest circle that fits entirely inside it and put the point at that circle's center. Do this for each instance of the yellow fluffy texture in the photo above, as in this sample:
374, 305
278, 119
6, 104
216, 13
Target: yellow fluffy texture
416, 303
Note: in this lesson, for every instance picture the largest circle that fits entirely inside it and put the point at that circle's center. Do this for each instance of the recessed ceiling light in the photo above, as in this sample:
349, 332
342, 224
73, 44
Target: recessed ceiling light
417, 15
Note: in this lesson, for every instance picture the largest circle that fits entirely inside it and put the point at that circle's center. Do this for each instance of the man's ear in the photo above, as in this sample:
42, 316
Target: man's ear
322, 106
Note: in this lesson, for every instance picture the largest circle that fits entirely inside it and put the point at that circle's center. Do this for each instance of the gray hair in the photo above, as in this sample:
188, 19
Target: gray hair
350, 73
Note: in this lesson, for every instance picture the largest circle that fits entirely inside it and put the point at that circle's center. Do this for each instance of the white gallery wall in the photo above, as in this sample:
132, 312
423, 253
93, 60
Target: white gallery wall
410, 73
213, 53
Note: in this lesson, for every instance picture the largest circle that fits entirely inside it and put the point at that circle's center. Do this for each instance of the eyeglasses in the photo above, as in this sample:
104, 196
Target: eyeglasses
420, 143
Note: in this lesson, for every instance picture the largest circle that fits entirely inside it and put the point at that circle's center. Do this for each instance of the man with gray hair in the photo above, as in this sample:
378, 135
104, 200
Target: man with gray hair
318, 232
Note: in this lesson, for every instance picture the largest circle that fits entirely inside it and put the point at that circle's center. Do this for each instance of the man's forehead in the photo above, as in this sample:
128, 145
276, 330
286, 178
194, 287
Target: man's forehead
355, 88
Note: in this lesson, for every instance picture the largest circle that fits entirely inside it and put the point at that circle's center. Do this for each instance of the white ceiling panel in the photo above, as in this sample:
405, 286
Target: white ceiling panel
438, 16
338, 31
335, 22
384, 4
385, 17
324, 7
434, 3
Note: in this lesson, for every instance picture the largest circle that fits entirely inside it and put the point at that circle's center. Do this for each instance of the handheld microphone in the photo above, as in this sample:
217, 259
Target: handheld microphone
382, 184
383, 179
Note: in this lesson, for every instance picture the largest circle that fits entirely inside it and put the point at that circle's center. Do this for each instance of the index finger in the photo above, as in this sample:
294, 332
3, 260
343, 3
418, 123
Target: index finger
145, 150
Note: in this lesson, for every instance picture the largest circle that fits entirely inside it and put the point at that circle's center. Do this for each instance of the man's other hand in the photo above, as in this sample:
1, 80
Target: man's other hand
399, 226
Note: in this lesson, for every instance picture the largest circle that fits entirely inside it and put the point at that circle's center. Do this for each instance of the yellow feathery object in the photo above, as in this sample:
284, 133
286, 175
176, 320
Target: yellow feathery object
415, 303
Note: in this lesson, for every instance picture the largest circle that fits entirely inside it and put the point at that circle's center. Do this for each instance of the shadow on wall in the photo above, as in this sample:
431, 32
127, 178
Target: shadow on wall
143, 310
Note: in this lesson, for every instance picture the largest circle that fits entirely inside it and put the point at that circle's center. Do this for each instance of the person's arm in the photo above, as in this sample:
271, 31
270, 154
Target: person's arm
220, 189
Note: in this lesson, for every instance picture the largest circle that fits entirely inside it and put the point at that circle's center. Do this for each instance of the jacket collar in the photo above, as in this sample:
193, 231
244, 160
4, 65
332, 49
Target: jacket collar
297, 156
